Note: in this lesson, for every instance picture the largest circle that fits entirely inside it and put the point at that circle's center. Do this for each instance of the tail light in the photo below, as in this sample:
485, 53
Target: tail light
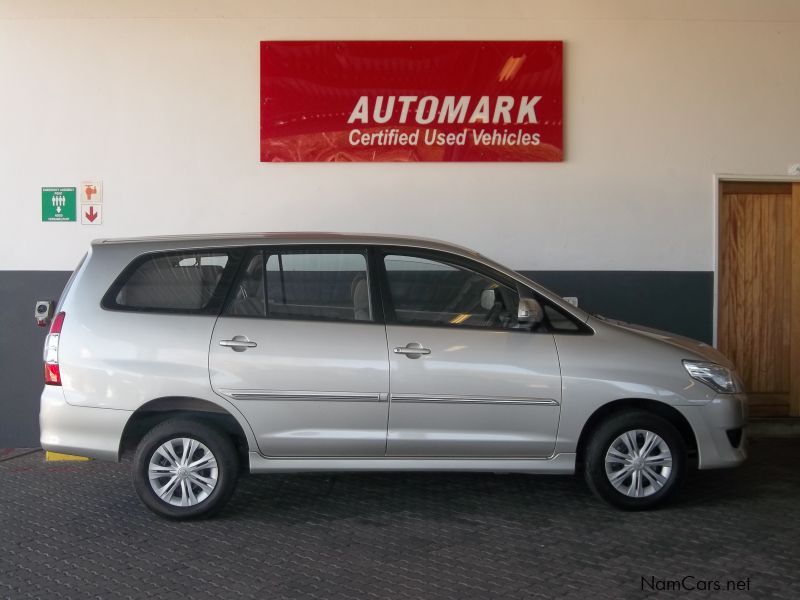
52, 374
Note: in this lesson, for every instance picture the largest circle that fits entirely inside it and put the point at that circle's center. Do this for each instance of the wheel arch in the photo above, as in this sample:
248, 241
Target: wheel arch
662, 409
159, 410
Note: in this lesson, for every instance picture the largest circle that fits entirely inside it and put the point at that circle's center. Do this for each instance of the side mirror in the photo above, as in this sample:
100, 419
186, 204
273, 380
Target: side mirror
488, 299
529, 311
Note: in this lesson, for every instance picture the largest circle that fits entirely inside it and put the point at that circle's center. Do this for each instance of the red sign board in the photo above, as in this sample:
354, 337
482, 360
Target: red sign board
411, 101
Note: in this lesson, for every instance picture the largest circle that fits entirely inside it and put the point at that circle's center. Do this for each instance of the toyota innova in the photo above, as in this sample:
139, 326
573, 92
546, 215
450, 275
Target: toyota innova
206, 357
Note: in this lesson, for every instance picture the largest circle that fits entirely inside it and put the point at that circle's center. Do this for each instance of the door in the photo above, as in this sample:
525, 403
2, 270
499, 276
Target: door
466, 379
759, 291
302, 353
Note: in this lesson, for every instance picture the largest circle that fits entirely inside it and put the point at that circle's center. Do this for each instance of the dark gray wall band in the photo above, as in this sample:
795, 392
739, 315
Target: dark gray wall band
21, 342
679, 301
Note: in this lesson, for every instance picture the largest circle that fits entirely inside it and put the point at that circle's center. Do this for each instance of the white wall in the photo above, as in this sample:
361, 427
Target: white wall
160, 101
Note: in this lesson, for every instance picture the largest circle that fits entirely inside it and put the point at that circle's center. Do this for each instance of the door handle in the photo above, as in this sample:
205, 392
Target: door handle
239, 343
412, 350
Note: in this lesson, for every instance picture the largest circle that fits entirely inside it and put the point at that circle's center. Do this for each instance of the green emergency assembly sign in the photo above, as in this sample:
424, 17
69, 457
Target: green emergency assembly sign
58, 204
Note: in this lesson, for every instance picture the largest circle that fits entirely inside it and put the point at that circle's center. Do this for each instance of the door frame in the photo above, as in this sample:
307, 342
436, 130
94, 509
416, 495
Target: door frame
436, 402
719, 179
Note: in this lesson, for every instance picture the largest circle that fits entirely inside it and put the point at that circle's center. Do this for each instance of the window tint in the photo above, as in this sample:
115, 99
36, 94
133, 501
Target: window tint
171, 281
426, 292
248, 294
319, 285
558, 321
304, 284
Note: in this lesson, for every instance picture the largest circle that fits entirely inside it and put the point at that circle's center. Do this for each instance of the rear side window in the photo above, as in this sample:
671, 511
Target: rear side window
331, 285
186, 282
247, 298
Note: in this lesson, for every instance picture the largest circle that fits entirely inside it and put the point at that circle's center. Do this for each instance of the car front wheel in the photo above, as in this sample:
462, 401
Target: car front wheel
185, 469
635, 460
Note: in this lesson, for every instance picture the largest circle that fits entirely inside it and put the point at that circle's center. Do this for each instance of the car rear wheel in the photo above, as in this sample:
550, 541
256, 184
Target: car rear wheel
635, 460
185, 469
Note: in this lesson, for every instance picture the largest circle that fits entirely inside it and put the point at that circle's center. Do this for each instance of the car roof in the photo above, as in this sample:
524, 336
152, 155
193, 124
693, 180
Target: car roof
284, 237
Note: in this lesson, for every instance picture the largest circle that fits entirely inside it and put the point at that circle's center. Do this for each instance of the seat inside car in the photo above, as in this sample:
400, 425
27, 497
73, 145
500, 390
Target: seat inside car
249, 298
360, 293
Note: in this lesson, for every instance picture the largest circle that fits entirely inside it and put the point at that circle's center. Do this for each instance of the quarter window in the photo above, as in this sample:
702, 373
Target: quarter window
558, 322
427, 292
176, 281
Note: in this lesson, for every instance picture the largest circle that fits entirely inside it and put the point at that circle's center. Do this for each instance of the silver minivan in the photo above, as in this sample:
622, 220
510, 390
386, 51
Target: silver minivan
206, 357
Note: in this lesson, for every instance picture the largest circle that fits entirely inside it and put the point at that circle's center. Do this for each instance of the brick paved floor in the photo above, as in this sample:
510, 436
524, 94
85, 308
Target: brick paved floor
78, 530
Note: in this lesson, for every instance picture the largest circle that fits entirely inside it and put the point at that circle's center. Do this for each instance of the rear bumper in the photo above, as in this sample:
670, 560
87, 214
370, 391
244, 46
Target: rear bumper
79, 430
719, 428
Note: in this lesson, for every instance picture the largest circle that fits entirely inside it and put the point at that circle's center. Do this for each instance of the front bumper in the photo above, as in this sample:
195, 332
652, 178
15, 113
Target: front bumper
79, 430
719, 428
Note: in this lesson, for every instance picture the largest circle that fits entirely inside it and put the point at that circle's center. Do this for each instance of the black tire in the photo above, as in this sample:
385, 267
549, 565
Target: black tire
220, 446
600, 442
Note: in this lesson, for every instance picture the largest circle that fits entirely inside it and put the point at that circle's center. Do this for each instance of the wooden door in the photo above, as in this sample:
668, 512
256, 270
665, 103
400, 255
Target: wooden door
759, 291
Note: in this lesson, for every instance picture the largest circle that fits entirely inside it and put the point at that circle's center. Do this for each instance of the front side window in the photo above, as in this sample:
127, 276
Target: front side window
170, 281
557, 322
428, 292
304, 284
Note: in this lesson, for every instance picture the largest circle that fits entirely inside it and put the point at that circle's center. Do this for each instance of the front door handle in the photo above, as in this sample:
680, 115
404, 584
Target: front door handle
239, 343
412, 350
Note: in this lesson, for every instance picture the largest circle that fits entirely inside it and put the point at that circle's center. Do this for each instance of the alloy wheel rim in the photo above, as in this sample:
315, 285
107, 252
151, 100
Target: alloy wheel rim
183, 472
638, 463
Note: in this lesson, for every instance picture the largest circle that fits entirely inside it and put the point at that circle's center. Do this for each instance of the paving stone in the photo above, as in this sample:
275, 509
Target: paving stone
77, 530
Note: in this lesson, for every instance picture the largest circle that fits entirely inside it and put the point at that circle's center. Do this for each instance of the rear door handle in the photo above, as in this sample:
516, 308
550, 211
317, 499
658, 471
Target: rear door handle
412, 350
239, 343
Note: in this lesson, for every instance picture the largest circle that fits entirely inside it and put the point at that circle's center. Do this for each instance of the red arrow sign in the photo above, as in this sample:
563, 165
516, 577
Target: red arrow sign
91, 215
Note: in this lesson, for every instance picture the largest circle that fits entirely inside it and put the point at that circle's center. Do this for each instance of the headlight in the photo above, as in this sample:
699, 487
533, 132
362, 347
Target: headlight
718, 378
